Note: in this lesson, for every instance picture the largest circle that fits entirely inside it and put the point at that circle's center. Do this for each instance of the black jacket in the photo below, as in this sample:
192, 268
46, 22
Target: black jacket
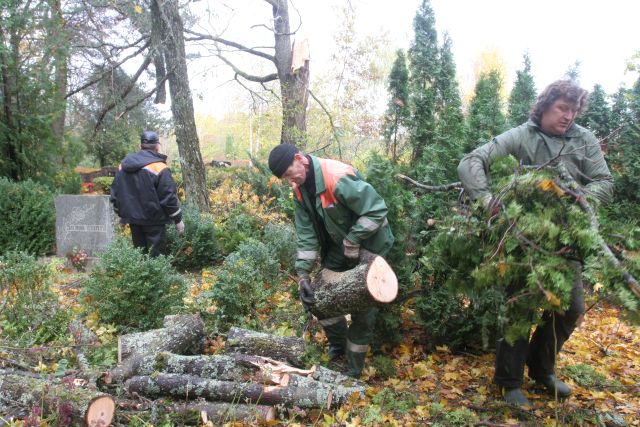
144, 192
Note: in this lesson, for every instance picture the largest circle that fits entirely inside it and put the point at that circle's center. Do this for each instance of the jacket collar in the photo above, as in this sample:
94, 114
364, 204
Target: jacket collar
320, 185
572, 132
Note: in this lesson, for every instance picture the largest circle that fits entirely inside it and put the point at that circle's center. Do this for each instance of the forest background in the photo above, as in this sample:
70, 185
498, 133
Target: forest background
80, 80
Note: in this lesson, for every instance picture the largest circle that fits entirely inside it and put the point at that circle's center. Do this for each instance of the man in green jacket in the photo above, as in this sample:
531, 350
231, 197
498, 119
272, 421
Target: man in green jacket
550, 136
336, 213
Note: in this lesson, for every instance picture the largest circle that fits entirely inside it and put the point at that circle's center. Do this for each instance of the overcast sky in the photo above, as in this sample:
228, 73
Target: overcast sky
602, 35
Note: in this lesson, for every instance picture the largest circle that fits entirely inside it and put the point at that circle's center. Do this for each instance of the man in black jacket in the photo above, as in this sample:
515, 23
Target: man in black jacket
144, 196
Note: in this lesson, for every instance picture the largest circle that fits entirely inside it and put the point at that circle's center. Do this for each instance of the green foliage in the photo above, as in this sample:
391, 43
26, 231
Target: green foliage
523, 94
29, 310
130, 289
423, 69
380, 173
28, 217
587, 377
513, 263
245, 281
485, 119
237, 228
281, 241
597, 118
457, 418
103, 184
396, 401
67, 182
198, 247
397, 114
385, 366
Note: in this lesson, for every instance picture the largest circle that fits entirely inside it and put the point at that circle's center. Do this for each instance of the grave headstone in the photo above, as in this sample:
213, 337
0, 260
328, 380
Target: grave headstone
83, 222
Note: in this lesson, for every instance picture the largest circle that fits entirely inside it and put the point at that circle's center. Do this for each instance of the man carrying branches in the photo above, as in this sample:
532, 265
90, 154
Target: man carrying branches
549, 138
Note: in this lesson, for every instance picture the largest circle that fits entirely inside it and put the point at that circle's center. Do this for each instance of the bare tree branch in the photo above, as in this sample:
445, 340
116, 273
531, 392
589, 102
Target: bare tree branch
432, 188
107, 71
240, 47
333, 128
252, 78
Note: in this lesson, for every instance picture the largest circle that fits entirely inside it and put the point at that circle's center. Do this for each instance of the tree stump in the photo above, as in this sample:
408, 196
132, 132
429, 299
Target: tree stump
285, 349
78, 405
369, 283
182, 334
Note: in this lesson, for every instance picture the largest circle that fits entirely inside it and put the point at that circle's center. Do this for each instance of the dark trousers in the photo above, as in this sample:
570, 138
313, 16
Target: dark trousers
151, 238
547, 340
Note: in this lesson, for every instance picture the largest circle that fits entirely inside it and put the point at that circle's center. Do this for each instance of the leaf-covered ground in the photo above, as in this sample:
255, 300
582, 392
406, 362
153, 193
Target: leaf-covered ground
410, 386
601, 362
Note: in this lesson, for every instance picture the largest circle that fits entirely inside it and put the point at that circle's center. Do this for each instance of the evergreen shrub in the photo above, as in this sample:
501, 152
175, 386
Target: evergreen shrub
281, 241
238, 227
198, 247
67, 182
103, 184
28, 217
29, 310
131, 290
245, 282
519, 260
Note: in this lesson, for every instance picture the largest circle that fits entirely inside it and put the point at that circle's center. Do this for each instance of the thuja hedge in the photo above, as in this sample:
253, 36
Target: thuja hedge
28, 217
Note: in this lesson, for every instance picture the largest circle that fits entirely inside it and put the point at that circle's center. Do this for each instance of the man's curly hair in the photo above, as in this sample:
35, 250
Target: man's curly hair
560, 89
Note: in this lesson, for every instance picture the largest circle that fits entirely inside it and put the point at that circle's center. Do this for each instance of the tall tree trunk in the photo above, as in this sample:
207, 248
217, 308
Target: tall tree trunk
60, 57
193, 171
293, 84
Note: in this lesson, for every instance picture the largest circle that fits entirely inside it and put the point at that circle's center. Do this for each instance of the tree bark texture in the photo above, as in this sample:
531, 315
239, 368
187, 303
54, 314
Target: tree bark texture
193, 171
83, 337
369, 283
222, 412
285, 349
77, 405
190, 387
182, 334
293, 85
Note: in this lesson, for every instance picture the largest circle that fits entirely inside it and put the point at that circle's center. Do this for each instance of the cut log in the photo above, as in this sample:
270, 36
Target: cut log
182, 334
190, 387
77, 404
284, 349
233, 367
302, 381
369, 283
220, 413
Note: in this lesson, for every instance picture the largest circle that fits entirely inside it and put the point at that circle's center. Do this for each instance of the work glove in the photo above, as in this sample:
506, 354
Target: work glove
306, 293
180, 228
351, 250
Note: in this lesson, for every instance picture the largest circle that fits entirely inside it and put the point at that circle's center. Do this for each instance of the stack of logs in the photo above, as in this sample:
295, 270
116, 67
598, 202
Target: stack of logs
166, 370
257, 373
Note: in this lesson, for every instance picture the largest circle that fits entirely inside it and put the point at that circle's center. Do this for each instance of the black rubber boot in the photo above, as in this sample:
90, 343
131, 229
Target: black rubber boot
515, 397
554, 386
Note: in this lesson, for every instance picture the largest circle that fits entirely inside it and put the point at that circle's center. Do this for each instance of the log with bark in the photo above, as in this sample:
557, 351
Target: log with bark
285, 349
190, 387
369, 283
225, 367
75, 404
182, 334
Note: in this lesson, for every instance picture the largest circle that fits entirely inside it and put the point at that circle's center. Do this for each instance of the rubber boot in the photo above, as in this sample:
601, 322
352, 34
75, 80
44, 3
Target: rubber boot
515, 397
554, 386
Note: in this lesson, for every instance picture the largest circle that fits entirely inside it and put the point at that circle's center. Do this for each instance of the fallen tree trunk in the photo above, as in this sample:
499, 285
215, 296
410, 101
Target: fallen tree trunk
224, 367
369, 283
285, 349
222, 412
186, 387
76, 404
182, 334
